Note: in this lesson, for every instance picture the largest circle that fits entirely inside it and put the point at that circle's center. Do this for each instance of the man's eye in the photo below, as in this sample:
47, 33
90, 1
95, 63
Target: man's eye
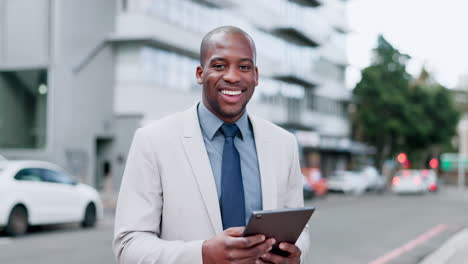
219, 66
245, 67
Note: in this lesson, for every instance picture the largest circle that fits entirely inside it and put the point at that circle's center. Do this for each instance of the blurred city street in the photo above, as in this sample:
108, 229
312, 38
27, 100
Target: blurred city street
362, 229
55, 244
344, 229
374, 93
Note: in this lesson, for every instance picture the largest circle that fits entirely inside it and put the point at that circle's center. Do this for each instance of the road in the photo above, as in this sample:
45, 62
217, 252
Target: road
345, 229
362, 229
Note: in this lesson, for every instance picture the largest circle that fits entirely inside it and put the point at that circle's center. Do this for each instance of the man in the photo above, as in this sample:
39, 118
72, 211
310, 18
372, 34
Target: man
193, 178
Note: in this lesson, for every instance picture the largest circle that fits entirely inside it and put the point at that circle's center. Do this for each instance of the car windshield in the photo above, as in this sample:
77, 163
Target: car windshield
408, 173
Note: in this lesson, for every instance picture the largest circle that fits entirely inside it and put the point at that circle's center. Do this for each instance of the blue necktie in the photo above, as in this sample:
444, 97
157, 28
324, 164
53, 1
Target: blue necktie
232, 189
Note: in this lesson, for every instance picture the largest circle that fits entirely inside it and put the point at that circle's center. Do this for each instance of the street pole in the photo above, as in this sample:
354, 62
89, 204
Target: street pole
462, 149
461, 171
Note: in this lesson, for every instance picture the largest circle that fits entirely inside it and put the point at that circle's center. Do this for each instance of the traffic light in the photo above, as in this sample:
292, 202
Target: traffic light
434, 163
402, 158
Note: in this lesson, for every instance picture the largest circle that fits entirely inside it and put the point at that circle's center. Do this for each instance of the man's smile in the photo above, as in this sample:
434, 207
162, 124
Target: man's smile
229, 92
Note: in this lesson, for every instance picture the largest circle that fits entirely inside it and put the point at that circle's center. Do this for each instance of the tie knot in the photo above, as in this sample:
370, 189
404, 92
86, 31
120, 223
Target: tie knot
229, 130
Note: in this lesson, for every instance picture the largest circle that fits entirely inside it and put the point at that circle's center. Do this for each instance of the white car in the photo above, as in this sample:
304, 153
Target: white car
348, 182
409, 181
430, 179
374, 181
39, 193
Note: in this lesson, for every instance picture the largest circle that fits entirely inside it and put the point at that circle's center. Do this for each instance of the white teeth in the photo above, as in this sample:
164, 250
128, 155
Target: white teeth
231, 92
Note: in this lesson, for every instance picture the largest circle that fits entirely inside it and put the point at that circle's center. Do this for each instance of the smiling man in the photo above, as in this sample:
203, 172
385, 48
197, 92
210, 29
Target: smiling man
192, 179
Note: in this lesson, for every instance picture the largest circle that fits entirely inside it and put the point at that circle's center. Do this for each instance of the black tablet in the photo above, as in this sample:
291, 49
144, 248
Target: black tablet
284, 225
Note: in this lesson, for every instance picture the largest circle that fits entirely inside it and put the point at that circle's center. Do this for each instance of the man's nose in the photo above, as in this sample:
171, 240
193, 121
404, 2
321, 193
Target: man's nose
231, 75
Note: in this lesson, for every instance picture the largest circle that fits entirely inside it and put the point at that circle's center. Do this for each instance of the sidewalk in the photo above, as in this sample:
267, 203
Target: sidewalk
454, 251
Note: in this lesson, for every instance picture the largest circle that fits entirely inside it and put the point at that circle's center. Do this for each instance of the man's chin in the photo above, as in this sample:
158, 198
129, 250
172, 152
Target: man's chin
231, 113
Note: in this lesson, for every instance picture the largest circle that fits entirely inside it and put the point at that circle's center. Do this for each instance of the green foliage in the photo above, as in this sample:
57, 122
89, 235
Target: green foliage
396, 113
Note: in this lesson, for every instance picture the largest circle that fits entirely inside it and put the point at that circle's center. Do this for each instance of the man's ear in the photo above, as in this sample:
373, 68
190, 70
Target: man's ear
256, 76
198, 74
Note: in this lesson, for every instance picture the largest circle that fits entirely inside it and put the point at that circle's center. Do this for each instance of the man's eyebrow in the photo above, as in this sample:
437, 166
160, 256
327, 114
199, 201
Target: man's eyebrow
246, 59
224, 59
217, 59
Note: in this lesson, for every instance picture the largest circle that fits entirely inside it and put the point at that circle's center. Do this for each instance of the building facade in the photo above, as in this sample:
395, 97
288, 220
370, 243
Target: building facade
301, 59
78, 77
56, 91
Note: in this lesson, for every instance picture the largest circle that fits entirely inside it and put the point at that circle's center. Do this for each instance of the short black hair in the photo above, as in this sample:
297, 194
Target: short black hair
225, 30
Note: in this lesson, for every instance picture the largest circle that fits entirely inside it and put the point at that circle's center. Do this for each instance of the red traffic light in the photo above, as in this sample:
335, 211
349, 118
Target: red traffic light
434, 163
402, 158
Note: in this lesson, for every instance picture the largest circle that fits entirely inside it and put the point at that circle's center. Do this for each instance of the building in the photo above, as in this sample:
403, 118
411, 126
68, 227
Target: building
460, 97
78, 77
301, 57
56, 91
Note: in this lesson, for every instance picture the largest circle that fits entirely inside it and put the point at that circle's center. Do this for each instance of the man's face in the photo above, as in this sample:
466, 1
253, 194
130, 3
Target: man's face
229, 75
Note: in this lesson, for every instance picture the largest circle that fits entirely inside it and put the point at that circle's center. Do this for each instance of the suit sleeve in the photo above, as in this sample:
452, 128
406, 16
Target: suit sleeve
139, 210
296, 199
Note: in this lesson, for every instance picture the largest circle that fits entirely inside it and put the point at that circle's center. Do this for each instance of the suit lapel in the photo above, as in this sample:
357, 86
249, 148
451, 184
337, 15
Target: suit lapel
195, 150
266, 161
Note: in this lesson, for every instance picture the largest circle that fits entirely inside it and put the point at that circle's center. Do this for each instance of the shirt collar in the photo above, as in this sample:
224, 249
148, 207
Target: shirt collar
210, 123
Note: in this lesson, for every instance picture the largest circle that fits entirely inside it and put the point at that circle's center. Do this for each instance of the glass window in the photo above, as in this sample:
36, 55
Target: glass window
29, 175
56, 177
23, 105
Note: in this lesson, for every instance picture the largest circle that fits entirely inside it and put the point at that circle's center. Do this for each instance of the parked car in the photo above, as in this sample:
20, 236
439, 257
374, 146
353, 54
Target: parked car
409, 181
39, 193
373, 180
348, 182
307, 190
313, 183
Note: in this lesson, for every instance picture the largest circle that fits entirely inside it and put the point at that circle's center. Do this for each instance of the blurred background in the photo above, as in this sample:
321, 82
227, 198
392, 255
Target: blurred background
376, 93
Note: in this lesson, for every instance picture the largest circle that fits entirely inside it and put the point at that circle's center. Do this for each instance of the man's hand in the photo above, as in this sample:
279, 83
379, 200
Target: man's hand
230, 247
293, 258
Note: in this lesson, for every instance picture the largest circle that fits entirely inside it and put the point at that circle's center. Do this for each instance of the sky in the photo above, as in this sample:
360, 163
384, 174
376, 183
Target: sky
433, 32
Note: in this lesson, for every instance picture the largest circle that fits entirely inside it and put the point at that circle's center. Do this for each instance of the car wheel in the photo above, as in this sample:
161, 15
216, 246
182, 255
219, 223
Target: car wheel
17, 221
90, 218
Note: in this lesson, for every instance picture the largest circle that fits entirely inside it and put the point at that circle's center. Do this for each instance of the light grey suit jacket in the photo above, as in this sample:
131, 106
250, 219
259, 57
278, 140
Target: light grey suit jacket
168, 204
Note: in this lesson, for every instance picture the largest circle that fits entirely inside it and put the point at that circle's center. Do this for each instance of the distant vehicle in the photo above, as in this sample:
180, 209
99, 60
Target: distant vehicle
374, 181
307, 190
430, 179
410, 181
313, 183
40, 193
348, 182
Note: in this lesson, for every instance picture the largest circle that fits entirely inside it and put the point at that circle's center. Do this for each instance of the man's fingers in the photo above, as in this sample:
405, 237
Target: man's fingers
292, 249
294, 255
260, 261
248, 255
244, 242
235, 231
273, 258
255, 251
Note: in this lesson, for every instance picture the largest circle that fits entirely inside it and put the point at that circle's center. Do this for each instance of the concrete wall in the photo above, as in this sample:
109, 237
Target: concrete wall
83, 82
125, 129
24, 33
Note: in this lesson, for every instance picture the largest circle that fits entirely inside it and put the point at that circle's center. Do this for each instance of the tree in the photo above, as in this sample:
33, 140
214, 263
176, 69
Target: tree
396, 113
439, 110
379, 118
